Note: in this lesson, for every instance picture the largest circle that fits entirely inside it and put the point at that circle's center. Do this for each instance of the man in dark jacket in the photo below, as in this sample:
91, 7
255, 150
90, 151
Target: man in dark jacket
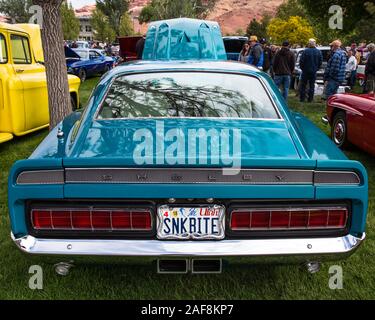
370, 69
267, 55
283, 66
334, 74
310, 62
139, 46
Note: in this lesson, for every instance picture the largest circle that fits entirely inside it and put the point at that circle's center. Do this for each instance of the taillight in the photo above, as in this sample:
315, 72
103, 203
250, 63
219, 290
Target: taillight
288, 219
96, 219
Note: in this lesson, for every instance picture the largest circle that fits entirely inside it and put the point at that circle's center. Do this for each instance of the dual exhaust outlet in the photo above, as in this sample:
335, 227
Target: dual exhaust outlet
195, 266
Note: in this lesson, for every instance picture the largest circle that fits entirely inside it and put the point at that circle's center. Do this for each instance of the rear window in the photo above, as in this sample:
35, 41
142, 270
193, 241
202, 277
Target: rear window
3, 50
233, 45
84, 54
187, 94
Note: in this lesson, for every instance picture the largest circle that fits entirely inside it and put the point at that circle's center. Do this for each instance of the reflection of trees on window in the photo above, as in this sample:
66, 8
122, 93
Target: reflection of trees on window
164, 97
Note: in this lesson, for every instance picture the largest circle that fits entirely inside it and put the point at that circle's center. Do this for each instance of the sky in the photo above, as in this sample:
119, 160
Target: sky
80, 3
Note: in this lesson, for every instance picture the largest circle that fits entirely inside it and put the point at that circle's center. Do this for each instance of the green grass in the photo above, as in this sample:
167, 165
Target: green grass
139, 280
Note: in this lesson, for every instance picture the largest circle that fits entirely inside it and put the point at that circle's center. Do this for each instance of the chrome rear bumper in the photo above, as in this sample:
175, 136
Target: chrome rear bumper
300, 249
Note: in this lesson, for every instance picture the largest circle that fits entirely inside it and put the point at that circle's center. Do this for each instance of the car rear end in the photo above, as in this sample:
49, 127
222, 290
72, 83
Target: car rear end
75, 212
96, 189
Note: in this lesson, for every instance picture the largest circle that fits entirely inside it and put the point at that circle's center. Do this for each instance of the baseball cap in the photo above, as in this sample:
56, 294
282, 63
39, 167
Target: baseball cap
286, 43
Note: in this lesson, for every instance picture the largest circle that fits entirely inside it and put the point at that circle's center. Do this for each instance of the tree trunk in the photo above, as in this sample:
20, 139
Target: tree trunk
54, 56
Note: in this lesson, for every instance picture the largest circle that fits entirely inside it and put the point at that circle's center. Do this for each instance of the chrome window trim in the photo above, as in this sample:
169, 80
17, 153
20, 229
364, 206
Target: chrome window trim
100, 105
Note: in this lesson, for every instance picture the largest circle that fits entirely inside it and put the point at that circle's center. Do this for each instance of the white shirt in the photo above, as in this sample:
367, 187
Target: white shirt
351, 64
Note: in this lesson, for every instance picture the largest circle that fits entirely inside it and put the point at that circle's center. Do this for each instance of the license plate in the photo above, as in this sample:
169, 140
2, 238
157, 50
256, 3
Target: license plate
205, 222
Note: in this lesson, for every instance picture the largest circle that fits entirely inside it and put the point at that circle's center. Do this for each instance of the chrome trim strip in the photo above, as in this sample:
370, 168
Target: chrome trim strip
41, 177
222, 248
187, 175
336, 177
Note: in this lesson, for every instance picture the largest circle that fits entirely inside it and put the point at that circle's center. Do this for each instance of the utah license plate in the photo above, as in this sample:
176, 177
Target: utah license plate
206, 222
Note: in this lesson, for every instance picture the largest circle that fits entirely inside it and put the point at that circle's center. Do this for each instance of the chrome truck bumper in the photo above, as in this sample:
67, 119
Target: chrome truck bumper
282, 250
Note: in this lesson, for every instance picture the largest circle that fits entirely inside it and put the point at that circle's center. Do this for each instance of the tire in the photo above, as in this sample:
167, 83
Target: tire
82, 74
73, 103
339, 130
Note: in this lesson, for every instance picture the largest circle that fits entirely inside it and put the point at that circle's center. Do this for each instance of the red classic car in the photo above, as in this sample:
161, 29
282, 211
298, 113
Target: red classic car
352, 120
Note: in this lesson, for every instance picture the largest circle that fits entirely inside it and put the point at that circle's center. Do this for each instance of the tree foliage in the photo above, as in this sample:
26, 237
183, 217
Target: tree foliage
364, 30
353, 11
169, 9
289, 9
113, 10
70, 23
102, 29
259, 28
16, 11
295, 29
126, 25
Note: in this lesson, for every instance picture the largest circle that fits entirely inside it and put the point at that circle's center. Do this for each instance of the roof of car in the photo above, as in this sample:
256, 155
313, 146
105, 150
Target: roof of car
13, 27
235, 38
197, 65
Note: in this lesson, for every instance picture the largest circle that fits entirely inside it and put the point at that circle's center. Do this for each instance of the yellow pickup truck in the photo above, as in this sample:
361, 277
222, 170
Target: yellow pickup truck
23, 84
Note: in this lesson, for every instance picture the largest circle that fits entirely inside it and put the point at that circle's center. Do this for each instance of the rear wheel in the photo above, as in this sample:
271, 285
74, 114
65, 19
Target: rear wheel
339, 130
82, 74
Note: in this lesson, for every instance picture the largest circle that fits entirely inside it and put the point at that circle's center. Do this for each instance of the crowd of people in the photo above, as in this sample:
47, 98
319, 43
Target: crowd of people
341, 66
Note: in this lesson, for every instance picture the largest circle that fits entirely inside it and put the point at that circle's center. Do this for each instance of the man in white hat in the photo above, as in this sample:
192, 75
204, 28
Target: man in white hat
310, 62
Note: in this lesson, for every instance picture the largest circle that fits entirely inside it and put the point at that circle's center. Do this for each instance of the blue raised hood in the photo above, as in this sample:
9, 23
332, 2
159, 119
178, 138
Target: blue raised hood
184, 39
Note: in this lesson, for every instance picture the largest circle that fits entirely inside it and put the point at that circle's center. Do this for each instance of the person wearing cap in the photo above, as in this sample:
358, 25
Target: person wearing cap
334, 74
283, 66
370, 69
310, 62
256, 52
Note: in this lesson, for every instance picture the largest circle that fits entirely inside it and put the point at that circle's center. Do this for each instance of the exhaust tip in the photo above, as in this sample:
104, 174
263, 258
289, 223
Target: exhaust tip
201, 266
173, 266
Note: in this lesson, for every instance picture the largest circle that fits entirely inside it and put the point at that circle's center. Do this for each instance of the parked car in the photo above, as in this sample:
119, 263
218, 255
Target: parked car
352, 120
23, 84
82, 44
361, 74
127, 47
233, 46
87, 62
136, 175
319, 75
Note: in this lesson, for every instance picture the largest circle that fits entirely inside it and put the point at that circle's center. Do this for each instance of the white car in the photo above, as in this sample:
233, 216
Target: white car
83, 45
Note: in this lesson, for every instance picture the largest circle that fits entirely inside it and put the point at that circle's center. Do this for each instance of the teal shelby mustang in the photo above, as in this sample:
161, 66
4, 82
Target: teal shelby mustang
188, 161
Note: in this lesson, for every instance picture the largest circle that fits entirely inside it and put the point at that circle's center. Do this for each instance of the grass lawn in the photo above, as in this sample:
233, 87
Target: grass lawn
140, 281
